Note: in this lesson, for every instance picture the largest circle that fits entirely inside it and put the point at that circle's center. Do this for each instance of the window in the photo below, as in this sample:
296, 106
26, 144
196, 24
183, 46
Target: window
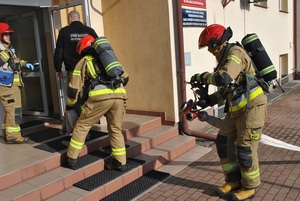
283, 59
262, 4
283, 5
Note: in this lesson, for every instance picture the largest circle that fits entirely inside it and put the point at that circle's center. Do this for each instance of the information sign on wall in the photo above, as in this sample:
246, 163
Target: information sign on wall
194, 18
194, 3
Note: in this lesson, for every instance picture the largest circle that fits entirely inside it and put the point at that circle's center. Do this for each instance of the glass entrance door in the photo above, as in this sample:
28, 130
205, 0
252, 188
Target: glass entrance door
26, 42
59, 19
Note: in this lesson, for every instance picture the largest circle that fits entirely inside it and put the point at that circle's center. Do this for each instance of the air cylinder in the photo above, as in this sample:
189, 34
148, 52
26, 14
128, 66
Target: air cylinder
259, 56
113, 67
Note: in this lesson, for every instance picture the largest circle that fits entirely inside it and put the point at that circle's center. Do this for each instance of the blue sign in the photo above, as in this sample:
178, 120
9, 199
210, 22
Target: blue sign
194, 18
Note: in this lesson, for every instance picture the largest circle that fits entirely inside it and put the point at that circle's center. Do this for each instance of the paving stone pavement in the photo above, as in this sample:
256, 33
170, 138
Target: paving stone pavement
280, 168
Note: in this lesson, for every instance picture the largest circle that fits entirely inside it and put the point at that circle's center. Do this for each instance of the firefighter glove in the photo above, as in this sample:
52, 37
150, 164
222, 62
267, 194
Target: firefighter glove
13, 50
203, 77
29, 65
203, 116
195, 78
204, 102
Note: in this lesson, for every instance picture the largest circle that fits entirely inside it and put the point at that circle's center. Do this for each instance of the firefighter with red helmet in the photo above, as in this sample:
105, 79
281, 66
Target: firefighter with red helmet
245, 104
10, 84
103, 98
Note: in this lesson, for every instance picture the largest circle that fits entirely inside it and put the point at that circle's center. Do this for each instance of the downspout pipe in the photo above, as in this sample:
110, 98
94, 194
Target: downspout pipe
295, 26
183, 124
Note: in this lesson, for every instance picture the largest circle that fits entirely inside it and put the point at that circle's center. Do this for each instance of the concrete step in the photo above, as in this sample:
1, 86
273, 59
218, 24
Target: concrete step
19, 163
154, 158
40, 185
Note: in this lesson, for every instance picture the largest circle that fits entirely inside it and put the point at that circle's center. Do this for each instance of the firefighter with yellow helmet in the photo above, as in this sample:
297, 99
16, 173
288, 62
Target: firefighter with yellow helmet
10, 83
238, 138
104, 98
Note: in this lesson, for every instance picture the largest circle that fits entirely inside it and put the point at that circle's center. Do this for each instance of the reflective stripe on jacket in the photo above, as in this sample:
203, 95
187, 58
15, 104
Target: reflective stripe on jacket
241, 102
17, 74
107, 91
235, 62
86, 70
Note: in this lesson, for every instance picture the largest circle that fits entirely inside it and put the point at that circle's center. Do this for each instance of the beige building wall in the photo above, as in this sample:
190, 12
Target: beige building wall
96, 20
142, 34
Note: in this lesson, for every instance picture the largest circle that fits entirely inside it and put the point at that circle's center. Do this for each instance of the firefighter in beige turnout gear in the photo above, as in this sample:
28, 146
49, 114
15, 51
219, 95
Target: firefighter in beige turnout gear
238, 138
103, 99
10, 92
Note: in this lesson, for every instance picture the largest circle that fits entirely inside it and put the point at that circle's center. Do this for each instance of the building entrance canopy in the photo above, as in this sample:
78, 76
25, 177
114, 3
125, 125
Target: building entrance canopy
34, 3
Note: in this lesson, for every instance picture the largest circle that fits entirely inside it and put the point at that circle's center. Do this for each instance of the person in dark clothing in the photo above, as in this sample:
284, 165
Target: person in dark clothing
65, 52
68, 37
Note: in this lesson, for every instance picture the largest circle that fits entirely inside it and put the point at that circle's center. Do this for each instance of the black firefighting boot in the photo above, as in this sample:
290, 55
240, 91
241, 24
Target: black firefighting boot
19, 140
113, 165
227, 188
71, 162
243, 194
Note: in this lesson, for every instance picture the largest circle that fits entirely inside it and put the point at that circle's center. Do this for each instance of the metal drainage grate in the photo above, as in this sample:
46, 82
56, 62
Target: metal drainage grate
273, 96
290, 85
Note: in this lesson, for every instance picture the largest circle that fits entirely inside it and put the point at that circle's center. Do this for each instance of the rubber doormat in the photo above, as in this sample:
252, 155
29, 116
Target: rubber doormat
105, 176
63, 143
138, 186
91, 157
87, 159
43, 135
31, 123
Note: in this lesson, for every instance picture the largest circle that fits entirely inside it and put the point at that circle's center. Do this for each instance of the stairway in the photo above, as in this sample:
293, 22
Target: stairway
30, 173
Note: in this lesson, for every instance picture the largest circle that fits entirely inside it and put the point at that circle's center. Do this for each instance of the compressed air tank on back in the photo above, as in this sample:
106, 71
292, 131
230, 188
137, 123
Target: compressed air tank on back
112, 66
259, 56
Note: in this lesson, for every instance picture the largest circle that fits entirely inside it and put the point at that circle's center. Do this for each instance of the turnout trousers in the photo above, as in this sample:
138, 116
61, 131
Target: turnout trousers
237, 144
11, 101
114, 111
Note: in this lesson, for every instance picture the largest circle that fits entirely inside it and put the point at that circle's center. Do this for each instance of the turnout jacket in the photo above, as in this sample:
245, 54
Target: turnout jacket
5, 55
234, 70
66, 43
86, 71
